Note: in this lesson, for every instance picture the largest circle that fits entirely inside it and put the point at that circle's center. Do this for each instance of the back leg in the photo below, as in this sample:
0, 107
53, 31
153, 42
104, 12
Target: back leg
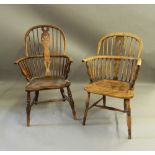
63, 94
36, 97
104, 100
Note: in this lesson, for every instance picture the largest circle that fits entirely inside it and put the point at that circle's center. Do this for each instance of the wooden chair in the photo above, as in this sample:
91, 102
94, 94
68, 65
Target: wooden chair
113, 71
45, 64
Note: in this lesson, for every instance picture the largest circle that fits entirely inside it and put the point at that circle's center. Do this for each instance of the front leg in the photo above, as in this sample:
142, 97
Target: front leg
128, 111
86, 109
63, 94
71, 102
28, 108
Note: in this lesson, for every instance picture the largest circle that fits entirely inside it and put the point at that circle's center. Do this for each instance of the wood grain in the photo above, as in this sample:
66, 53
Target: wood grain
111, 88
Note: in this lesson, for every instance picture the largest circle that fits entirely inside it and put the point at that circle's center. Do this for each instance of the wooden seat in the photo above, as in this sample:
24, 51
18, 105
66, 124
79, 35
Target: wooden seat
45, 83
113, 71
111, 88
45, 65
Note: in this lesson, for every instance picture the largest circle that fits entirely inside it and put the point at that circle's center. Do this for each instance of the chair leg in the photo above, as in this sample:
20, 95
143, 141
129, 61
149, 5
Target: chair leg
125, 107
28, 108
104, 100
36, 97
71, 102
62, 93
128, 110
86, 109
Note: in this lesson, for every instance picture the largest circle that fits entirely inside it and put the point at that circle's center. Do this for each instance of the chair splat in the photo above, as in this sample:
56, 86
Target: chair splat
45, 38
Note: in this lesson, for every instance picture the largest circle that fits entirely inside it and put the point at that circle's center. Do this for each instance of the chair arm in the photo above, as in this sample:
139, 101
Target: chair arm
92, 73
108, 57
23, 67
139, 62
67, 67
89, 58
20, 59
87, 66
22, 63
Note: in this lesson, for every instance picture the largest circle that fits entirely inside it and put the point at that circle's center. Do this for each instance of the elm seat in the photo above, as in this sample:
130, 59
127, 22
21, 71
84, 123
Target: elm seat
44, 83
111, 88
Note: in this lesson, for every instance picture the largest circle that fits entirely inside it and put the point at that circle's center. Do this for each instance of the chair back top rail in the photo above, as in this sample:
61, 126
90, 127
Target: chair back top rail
120, 44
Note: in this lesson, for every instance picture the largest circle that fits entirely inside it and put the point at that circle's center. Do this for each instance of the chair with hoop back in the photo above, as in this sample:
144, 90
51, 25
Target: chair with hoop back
45, 64
113, 71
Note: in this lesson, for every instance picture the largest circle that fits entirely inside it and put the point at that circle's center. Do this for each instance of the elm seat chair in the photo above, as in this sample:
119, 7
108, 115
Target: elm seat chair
113, 71
45, 64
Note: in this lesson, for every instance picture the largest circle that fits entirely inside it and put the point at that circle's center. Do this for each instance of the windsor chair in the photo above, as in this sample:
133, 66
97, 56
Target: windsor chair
113, 72
45, 64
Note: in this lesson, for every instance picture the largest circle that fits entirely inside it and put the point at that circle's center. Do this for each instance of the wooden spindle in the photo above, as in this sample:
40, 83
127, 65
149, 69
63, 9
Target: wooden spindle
52, 41
103, 47
57, 43
112, 44
34, 44
107, 49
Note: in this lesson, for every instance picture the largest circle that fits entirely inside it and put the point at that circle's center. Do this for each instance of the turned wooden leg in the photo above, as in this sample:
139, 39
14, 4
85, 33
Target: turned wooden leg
128, 109
71, 102
36, 97
62, 93
28, 108
104, 100
86, 109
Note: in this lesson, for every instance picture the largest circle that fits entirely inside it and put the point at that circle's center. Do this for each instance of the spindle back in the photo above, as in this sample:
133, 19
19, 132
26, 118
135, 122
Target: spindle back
35, 40
120, 44
45, 53
117, 58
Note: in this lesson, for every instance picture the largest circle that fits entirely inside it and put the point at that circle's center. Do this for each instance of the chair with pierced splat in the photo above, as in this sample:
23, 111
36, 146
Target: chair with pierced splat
45, 64
113, 71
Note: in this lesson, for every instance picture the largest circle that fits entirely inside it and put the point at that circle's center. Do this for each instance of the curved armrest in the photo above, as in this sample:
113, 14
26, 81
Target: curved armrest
90, 58
108, 57
39, 56
94, 67
139, 62
20, 59
23, 67
29, 71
